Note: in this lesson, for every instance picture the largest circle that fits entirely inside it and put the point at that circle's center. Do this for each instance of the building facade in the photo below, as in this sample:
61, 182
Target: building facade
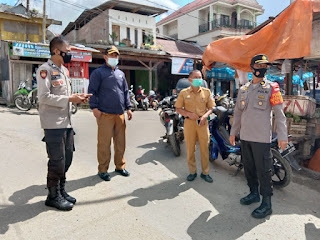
205, 21
115, 22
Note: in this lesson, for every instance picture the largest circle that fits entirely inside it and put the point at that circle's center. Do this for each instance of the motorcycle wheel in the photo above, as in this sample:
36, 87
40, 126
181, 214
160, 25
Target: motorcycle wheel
145, 106
22, 102
175, 145
74, 108
282, 171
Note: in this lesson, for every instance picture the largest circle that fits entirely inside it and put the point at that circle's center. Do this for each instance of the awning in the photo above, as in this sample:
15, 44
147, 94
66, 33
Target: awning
287, 37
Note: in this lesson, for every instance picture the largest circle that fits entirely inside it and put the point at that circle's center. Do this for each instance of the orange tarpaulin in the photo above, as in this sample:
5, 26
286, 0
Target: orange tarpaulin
287, 37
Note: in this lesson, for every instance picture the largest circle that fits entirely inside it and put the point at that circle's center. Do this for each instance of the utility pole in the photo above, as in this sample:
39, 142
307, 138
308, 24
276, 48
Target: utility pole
27, 24
44, 22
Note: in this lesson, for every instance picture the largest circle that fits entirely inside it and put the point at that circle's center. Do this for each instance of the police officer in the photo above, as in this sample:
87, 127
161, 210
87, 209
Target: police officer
195, 104
54, 91
109, 101
252, 118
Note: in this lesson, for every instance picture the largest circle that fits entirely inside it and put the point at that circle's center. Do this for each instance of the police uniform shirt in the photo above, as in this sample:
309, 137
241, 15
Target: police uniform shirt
253, 113
198, 102
54, 89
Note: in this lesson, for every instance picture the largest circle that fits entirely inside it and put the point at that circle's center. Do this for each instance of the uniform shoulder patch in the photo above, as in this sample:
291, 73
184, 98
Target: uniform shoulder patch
276, 97
43, 74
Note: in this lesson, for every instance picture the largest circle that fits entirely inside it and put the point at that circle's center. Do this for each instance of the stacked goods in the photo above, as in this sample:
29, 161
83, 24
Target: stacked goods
297, 127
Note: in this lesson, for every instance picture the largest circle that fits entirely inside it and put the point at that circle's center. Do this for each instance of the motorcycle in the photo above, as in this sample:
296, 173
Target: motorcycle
173, 123
133, 100
219, 144
26, 97
143, 101
152, 98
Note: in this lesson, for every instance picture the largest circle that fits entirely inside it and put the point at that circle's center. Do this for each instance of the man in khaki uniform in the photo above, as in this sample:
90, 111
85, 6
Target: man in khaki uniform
195, 104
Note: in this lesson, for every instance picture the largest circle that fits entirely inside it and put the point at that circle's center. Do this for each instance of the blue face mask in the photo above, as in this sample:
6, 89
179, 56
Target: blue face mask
113, 62
197, 82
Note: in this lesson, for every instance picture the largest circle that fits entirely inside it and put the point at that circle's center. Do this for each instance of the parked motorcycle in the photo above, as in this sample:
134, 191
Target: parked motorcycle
26, 97
143, 101
173, 123
152, 98
133, 101
219, 143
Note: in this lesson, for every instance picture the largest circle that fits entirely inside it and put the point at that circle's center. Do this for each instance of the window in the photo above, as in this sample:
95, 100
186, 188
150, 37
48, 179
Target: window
15, 27
245, 23
136, 37
225, 20
128, 33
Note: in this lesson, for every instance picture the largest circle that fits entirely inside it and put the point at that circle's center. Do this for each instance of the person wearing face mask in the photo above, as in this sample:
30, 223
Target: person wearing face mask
55, 98
252, 119
110, 99
195, 104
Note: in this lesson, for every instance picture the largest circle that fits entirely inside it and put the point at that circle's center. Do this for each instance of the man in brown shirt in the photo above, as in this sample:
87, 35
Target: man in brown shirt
195, 104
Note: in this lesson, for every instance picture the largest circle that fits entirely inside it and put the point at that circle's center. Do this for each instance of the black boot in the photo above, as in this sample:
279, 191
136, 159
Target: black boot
55, 200
251, 198
65, 194
264, 209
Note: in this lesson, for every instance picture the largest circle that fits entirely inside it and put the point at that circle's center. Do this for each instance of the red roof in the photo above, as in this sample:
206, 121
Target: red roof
198, 3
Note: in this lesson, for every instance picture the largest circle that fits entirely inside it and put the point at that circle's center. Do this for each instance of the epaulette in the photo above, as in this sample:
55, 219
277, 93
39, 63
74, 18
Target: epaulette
245, 87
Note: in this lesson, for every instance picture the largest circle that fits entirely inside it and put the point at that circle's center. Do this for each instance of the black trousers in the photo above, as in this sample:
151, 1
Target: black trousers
60, 148
257, 161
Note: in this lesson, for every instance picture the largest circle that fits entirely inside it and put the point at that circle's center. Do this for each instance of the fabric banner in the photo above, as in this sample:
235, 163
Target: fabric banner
288, 36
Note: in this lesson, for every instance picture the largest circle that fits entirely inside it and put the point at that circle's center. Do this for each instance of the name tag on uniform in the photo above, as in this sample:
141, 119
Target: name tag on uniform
188, 97
57, 83
55, 76
261, 96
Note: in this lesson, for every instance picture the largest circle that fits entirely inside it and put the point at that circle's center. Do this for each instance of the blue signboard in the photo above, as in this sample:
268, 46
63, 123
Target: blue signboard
181, 66
31, 50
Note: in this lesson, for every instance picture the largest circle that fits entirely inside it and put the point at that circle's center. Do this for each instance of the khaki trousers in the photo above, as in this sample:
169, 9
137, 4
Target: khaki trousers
192, 133
111, 126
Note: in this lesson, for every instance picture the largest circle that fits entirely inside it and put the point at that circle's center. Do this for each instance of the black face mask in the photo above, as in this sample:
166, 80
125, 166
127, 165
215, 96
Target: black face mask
66, 56
260, 73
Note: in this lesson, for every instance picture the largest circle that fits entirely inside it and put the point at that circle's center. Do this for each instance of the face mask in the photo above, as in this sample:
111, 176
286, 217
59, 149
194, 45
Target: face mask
196, 82
262, 72
113, 62
33, 75
66, 56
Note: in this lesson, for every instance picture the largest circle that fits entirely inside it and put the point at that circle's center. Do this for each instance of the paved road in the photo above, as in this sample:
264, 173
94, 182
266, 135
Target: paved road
155, 202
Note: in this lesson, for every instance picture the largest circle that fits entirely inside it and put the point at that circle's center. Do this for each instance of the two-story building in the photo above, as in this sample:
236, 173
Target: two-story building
129, 26
21, 47
205, 21
115, 22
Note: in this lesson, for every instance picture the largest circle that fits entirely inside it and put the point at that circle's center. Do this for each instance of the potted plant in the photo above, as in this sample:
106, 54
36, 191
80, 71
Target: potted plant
114, 37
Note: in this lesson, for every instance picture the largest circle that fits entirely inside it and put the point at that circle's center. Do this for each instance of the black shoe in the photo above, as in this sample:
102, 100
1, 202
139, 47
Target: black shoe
191, 177
55, 200
207, 178
123, 172
104, 176
264, 209
65, 194
251, 198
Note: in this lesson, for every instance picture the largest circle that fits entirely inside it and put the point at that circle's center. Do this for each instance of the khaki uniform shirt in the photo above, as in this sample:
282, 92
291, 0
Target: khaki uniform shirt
198, 103
253, 113
54, 89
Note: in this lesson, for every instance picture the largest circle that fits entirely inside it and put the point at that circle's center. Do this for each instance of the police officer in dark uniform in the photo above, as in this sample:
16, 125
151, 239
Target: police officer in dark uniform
55, 99
253, 119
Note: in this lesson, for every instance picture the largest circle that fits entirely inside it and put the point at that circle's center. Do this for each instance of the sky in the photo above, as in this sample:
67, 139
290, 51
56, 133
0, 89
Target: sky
64, 11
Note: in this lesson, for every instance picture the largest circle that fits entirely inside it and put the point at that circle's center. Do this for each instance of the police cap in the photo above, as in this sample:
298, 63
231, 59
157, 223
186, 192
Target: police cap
259, 59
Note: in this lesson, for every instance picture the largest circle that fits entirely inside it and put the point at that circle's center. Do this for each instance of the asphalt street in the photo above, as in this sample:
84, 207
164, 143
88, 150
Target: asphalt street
155, 202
